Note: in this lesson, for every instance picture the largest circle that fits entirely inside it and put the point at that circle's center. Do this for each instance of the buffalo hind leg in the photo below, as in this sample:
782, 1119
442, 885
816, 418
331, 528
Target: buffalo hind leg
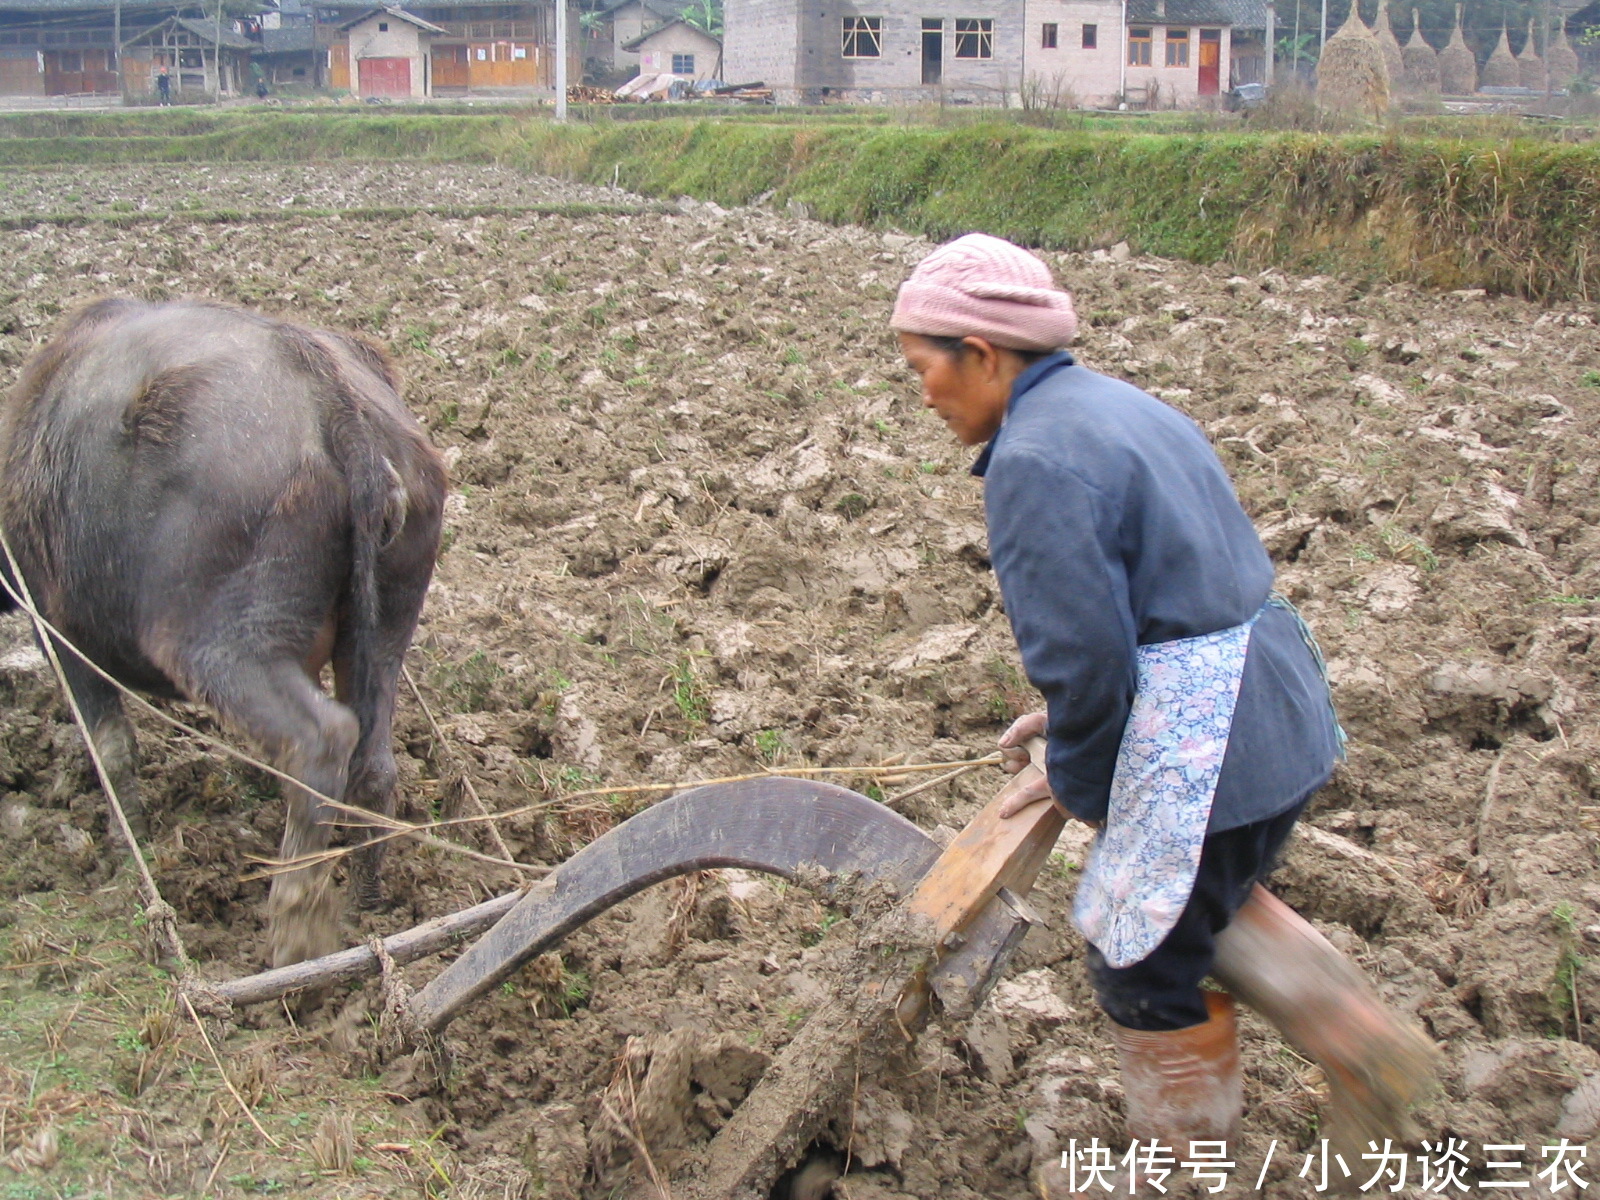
310, 737
112, 733
372, 768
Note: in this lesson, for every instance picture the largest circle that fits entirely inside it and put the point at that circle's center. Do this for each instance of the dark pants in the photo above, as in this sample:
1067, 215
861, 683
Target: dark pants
1162, 992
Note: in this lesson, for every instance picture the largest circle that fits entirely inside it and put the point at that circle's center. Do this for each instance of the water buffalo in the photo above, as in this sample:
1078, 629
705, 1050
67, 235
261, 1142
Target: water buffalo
214, 504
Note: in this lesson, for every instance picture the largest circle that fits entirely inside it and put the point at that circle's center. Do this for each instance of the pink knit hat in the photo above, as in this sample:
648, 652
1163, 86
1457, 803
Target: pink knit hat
982, 286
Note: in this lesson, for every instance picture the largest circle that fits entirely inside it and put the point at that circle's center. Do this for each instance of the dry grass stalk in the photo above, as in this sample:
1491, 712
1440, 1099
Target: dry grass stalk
221, 1071
1393, 62
1351, 76
684, 904
333, 1146
1501, 70
1457, 892
1421, 74
1530, 67
1458, 66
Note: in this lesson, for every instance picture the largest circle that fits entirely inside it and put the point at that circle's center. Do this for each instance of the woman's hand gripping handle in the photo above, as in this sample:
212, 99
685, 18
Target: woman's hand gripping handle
1023, 746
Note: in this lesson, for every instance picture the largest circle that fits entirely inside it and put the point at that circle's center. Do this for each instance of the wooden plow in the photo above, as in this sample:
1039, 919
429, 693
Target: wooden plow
955, 917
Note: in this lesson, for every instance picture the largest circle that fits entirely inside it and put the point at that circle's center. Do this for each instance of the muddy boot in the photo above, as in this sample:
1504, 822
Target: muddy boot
1179, 1086
1183, 1085
1377, 1065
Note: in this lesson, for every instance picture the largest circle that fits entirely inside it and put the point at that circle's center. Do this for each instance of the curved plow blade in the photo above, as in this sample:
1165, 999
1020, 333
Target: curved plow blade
780, 826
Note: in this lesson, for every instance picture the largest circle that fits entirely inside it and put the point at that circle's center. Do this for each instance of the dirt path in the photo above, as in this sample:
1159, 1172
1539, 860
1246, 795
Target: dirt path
698, 525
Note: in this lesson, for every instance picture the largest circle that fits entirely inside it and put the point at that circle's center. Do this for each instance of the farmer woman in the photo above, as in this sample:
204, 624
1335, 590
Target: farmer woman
1187, 716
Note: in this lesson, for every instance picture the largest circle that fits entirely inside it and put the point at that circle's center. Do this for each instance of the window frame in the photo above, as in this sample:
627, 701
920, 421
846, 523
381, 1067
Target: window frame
976, 43
1089, 37
1177, 49
1141, 43
680, 58
1049, 36
859, 32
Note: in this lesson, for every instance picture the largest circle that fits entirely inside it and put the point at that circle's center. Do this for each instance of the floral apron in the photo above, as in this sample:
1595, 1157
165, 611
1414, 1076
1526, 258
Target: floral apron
1142, 865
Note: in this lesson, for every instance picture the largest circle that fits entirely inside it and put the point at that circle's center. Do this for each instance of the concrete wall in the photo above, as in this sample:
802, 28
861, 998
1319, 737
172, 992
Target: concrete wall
627, 23
655, 55
760, 42
823, 65
1069, 75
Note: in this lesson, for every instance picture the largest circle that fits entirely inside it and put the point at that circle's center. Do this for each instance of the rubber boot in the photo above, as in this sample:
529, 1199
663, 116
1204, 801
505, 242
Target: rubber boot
1376, 1064
1179, 1086
1183, 1085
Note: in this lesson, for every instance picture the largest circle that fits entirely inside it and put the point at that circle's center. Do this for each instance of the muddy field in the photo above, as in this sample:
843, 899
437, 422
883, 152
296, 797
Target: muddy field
700, 526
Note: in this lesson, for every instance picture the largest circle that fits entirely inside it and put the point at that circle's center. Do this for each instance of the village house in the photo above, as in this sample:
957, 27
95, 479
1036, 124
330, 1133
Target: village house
678, 47
607, 31
385, 53
815, 51
454, 47
288, 55
69, 47
1075, 53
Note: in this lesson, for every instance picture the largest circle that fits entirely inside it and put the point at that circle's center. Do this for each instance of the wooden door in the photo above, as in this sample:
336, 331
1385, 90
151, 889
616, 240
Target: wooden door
339, 66
385, 77
1210, 62
449, 67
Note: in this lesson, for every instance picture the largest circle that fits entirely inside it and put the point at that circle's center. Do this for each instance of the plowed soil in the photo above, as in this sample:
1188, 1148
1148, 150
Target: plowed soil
699, 526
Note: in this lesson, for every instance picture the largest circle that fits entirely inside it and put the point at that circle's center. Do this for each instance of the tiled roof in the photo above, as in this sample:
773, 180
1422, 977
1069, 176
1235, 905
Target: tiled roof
662, 8
290, 38
399, 14
635, 43
86, 6
1243, 14
208, 30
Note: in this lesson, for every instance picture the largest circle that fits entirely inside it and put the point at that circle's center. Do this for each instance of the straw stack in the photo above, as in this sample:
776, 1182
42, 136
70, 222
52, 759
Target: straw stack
1501, 69
1393, 61
1458, 66
1561, 58
1421, 61
1351, 75
1530, 67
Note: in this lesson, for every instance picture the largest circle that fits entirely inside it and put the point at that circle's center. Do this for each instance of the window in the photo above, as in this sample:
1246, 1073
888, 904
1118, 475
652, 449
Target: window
1047, 40
862, 37
1091, 37
1177, 47
69, 60
683, 64
1139, 46
383, 27
974, 37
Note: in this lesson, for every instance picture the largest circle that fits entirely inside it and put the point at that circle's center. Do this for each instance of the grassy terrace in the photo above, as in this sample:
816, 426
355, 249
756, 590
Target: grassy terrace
1475, 203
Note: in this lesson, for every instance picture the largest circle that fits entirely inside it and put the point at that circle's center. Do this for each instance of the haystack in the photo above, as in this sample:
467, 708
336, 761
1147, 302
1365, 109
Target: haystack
1561, 58
1530, 66
1351, 75
1501, 69
1393, 62
1458, 66
1421, 61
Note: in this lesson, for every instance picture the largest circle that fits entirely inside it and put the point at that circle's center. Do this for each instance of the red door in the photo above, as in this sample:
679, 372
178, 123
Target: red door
1210, 62
385, 77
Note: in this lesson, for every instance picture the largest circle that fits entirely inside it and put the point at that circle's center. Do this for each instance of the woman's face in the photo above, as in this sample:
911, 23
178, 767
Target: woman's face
968, 390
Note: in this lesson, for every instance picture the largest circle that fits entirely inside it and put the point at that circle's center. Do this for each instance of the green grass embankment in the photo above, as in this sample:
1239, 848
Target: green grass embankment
1516, 215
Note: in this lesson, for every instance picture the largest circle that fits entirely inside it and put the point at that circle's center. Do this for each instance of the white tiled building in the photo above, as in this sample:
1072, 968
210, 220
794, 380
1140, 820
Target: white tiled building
1081, 53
